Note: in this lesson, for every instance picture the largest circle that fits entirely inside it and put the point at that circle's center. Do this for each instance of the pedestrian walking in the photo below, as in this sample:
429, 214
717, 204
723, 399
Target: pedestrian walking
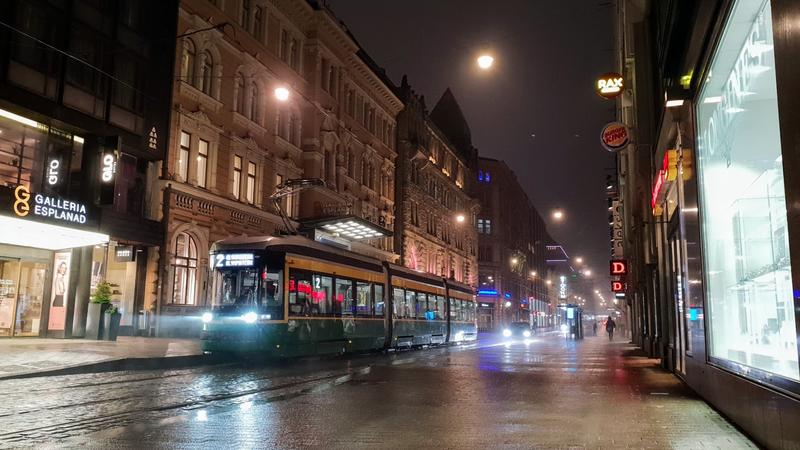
610, 326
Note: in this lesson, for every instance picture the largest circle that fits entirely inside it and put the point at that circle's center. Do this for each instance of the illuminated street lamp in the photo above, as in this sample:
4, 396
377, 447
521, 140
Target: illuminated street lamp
460, 218
579, 260
558, 214
533, 273
587, 272
548, 282
514, 260
282, 94
485, 62
596, 291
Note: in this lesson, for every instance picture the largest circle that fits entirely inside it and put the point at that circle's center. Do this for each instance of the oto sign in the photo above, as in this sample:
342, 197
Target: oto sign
609, 85
615, 136
618, 267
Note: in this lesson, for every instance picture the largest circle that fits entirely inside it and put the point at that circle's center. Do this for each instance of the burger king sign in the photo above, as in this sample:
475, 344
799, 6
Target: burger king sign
615, 136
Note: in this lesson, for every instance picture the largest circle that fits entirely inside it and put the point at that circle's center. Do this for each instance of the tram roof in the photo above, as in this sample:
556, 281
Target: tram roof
293, 244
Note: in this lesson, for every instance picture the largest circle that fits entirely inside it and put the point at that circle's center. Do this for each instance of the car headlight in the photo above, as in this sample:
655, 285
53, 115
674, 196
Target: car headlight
526, 333
250, 317
208, 317
507, 332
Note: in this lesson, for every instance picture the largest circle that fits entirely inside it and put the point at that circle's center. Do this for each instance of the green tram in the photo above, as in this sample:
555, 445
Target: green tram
291, 296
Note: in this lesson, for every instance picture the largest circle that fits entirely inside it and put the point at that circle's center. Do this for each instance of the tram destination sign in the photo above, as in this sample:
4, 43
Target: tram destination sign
222, 260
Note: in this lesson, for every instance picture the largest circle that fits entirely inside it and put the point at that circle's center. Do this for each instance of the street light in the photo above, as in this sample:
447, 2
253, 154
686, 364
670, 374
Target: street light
558, 214
514, 260
533, 273
587, 272
579, 260
282, 94
485, 62
460, 218
548, 282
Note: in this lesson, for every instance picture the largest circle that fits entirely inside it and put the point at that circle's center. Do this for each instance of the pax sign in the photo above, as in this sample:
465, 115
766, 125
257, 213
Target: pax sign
609, 85
619, 267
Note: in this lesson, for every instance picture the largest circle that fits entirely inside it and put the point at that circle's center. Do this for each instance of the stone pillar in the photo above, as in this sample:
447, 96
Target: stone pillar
82, 290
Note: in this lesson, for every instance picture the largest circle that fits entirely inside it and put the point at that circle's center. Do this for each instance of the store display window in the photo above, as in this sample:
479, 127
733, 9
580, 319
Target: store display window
748, 285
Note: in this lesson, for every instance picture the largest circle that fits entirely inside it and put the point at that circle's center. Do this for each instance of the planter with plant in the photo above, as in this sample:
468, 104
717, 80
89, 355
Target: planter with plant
95, 317
111, 323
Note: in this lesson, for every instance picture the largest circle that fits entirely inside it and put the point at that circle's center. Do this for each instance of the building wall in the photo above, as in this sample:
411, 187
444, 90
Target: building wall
512, 249
432, 196
337, 125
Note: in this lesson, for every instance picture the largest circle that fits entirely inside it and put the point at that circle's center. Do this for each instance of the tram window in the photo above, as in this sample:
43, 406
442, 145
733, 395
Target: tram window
299, 293
439, 309
272, 295
453, 309
344, 297
461, 312
321, 296
399, 303
364, 299
423, 309
408, 308
378, 300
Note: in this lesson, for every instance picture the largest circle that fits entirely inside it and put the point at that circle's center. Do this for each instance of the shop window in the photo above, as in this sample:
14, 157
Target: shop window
184, 287
748, 283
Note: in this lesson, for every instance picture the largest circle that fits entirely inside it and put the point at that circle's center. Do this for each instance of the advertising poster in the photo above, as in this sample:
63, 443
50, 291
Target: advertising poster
58, 294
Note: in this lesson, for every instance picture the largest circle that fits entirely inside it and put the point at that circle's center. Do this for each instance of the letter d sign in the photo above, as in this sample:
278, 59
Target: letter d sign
619, 267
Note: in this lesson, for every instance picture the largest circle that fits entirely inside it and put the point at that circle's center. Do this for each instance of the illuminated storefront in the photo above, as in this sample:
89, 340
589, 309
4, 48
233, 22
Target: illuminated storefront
42, 221
752, 327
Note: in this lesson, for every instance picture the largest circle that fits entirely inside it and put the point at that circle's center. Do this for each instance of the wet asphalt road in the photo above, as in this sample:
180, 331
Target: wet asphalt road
549, 393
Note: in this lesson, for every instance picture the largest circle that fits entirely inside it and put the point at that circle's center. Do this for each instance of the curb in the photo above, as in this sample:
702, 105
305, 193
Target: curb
126, 364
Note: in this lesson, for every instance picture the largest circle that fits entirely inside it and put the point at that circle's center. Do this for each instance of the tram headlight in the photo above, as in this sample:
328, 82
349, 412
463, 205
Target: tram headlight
506, 333
208, 317
526, 333
250, 317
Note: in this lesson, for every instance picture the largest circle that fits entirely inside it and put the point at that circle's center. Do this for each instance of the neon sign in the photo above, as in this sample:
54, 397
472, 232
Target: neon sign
609, 85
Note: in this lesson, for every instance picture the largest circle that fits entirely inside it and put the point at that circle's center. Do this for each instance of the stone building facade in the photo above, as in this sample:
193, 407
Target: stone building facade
512, 251
435, 233
232, 141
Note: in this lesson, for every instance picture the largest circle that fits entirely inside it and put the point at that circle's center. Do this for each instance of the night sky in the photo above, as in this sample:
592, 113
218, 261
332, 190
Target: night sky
536, 108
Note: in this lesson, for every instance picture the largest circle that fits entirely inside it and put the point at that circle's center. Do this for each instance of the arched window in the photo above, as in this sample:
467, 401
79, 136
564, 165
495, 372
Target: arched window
206, 73
188, 60
253, 102
238, 99
184, 286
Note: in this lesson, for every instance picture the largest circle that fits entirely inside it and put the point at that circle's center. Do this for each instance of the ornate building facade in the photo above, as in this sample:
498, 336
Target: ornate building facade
233, 140
436, 233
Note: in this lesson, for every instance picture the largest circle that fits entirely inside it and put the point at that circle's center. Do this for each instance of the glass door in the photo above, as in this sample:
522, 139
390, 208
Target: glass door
30, 299
9, 282
677, 280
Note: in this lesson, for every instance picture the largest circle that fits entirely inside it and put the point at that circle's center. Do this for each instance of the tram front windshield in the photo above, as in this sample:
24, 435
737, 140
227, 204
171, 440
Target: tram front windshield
250, 289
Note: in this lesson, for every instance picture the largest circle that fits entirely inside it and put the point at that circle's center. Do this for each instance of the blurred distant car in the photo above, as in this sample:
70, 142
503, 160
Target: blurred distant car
517, 330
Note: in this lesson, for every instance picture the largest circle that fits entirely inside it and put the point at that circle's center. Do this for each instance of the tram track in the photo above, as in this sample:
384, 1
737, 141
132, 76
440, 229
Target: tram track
271, 393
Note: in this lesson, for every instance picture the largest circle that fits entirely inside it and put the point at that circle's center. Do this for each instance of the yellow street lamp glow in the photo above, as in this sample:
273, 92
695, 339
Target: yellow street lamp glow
533, 273
514, 260
587, 272
460, 218
558, 214
579, 260
485, 61
282, 94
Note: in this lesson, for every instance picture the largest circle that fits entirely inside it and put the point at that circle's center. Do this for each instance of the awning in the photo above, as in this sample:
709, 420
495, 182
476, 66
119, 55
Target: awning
350, 227
29, 233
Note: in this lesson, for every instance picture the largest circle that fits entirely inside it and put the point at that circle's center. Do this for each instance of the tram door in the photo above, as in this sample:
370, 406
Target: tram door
677, 280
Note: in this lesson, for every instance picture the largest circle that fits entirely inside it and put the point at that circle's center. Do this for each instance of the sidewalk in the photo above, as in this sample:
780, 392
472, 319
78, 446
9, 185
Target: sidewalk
26, 357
